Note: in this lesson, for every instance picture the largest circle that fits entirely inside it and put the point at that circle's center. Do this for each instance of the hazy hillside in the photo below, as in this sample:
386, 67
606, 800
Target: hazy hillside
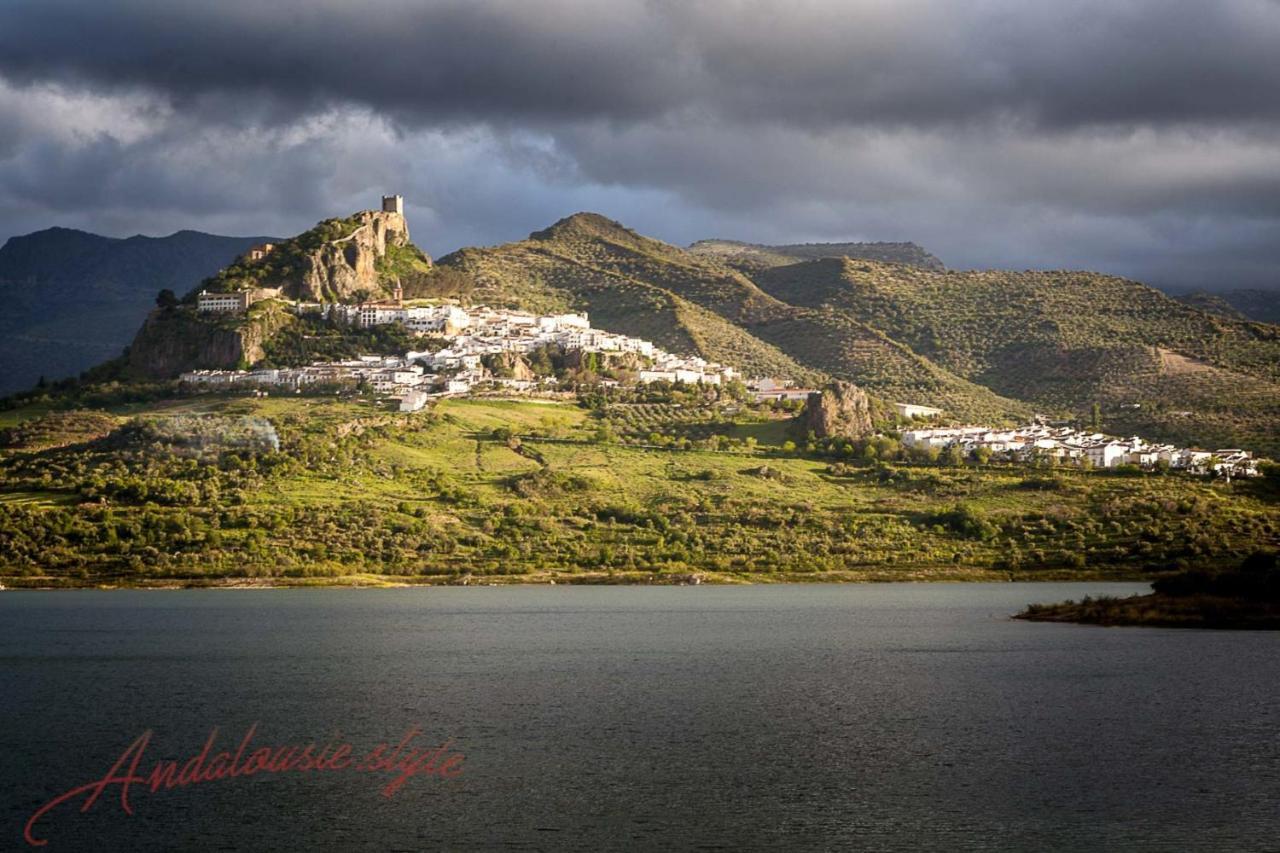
74, 299
1066, 339
755, 256
1262, 306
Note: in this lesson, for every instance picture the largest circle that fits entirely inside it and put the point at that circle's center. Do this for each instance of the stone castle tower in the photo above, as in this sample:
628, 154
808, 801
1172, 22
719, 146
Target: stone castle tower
393, 204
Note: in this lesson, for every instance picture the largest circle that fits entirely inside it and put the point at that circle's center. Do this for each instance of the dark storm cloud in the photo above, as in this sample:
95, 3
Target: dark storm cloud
1132, 135
1127, 61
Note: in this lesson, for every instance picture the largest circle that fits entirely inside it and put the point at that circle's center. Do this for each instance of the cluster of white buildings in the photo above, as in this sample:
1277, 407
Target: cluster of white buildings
387, 376
438, 319
477, 332
689, 369
1074, 446
384, 374
456, 368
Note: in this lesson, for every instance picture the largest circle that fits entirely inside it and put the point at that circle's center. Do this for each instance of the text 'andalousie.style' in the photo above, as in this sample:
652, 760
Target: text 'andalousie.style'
404, 761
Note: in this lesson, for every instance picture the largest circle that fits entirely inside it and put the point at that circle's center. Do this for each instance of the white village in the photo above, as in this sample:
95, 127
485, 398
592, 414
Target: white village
412, 380
1067, 445
464, 337
470, 334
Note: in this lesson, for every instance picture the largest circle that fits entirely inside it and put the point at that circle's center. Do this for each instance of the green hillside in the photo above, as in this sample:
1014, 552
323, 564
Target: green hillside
855, 351
990, 346
1262, 306
629, 282
216, 490
632, 285
1065, 340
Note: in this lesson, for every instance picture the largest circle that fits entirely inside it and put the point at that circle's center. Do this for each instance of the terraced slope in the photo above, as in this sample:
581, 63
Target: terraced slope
870, 358
1064, 339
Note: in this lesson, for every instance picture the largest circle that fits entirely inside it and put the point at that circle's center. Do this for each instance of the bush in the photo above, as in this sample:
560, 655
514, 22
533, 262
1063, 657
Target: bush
963, 520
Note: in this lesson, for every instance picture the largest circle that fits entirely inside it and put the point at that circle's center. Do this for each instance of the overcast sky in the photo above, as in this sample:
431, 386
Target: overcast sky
1140, 137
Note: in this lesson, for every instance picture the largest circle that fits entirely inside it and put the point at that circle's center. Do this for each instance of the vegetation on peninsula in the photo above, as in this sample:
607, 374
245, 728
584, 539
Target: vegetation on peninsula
1245, 597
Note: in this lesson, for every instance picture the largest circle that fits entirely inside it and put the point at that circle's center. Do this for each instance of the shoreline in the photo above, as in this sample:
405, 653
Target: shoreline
367, 581
1156, 610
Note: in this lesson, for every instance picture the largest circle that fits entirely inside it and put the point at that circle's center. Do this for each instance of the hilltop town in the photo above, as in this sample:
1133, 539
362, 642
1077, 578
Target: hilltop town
469, 337
470, 349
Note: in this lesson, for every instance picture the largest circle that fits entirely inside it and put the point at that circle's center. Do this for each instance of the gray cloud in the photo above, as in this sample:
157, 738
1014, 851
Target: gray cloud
913, 61
1137, 136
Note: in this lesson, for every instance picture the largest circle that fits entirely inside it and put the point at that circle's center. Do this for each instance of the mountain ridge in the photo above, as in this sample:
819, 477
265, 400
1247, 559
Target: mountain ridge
757, 256
75, 298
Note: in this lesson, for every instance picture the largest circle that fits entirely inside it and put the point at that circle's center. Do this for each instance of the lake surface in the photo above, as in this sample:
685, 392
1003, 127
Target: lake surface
879, 717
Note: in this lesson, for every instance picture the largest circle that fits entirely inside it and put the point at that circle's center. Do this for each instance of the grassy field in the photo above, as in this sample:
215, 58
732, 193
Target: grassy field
500, 491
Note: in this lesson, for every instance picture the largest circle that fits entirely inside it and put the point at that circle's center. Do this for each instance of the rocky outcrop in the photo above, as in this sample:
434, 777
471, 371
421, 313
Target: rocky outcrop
342, 268
172, 341
576, 359
509, 365
839, 409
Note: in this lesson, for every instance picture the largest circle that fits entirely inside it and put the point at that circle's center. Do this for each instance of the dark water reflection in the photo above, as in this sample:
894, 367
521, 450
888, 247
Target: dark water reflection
888, 717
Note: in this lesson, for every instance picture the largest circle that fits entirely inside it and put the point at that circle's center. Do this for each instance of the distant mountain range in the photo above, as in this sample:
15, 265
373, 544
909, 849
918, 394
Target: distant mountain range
74, 299
1260, 305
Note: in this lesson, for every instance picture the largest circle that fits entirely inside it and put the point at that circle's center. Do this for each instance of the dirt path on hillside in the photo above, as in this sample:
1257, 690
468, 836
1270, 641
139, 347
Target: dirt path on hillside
1175, 364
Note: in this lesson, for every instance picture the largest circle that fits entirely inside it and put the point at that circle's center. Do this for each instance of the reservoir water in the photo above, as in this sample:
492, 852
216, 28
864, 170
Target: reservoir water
876, 717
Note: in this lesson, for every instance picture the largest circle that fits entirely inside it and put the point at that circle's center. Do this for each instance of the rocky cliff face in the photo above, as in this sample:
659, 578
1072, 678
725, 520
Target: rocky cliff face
339, 260
511, 365
839, 409
338, 270
171, 342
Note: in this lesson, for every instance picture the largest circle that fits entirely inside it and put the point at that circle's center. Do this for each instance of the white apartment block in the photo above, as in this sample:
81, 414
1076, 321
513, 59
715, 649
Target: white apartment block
223, 302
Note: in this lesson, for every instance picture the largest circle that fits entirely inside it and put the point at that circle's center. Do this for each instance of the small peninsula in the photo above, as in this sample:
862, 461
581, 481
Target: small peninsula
1247, 597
